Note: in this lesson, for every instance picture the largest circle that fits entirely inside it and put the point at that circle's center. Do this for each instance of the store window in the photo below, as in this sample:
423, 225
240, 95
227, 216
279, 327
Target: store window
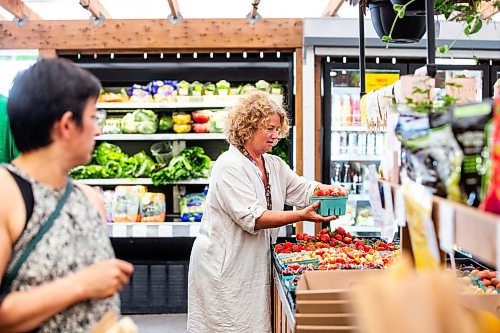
11, 63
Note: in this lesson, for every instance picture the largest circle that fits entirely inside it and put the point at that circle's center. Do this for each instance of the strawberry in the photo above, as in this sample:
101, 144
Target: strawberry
367, 248
347, 240
288, 246
341, 230
300, 237
306, 237
325, 238
278, 248
338, 237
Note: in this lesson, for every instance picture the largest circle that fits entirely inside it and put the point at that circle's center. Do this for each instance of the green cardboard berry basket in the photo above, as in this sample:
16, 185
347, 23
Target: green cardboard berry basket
330, 205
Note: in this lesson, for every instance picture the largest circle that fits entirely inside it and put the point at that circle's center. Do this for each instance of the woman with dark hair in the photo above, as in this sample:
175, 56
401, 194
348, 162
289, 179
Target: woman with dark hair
230, 268
58, 269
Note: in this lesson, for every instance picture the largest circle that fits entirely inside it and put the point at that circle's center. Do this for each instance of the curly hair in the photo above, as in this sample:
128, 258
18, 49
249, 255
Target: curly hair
251, 114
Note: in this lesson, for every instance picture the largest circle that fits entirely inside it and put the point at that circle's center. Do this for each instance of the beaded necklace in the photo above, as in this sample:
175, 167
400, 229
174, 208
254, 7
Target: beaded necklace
268, 187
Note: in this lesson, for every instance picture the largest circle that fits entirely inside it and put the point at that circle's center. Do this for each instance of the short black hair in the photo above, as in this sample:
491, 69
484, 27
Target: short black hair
40, 96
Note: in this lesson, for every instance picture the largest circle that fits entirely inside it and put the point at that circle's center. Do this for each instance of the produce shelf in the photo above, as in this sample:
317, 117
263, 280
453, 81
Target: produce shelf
153, 230
355, 129
210, 102
141, 181
160, 137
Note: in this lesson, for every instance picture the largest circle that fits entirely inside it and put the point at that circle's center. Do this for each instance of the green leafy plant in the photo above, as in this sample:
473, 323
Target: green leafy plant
467, 12
426, 104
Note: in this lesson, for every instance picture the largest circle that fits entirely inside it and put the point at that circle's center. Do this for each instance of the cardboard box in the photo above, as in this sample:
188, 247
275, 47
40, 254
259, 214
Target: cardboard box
323, 329
332, 319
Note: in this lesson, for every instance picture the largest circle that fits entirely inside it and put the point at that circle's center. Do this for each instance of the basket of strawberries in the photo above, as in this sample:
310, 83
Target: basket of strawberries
333, 201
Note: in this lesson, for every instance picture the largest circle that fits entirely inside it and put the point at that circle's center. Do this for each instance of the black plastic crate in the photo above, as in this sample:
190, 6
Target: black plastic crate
156, 287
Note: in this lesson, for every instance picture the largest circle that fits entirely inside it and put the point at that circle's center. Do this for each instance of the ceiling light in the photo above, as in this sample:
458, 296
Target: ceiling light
178, 55
261, 54
393, 60
328, 59
112, 55
145, 55
377, 60
455, 61
244, 55
228, 55
278, 54
211, 55
161, 55
195, 55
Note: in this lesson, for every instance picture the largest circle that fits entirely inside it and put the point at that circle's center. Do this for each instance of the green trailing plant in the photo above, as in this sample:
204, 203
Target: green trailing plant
426, 104
468, 13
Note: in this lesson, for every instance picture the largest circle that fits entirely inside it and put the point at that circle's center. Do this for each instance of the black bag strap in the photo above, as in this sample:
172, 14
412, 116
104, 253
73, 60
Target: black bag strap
9, 277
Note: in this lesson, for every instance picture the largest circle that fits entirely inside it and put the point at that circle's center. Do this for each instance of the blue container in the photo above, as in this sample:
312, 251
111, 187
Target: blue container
331, 205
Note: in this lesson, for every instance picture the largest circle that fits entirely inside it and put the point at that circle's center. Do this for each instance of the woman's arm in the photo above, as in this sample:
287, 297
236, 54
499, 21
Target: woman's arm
275, 219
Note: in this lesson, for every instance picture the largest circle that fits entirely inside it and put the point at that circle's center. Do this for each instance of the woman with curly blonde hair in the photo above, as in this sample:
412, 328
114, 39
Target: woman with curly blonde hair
230, 269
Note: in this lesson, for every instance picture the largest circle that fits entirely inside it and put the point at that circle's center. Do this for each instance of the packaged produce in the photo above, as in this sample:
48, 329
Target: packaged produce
181, 118
201, 116
196, 88
276, 88
162, 152
112, 126
191, 207
248, 88
468, 124
183, 88
235, 90
217, 121
166, 123
110, 97
143, 165
182, 128
223, 87
164, 91
262, 85
108, 197
201, 128
140, 121
209, 89
126, 203
140, 93
152, 207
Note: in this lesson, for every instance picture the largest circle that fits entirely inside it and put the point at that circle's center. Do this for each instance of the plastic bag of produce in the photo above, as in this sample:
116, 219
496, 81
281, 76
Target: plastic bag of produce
152, 207
166, 123
140, 121
202, 116
209, 89
196, 89
162, 152
140, 93
201, 128
108, 197
469, 124
183, 88
262, 85
112, 126
223, 87
181, 118
126, 203
192, 207
217, 121
164, 91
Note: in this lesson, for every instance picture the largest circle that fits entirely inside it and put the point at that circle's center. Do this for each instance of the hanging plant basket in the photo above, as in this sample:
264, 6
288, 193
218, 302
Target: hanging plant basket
416, 8
409, 29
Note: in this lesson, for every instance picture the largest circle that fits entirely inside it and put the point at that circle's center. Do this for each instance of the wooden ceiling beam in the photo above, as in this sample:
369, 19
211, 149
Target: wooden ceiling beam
488, 10
191, 34
174, 9
333, 7
95, 8
19, 10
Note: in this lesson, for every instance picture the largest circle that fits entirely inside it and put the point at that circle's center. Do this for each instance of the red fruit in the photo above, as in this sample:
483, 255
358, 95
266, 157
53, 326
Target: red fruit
347, 240
300, 236
486, 283
325, 238
320, 193
341, 230
367, 248
381, 248
338, 237
359, 243
483, 276
323, 231
360, 248
278, 248
288, 246
306, 237
391, 248
475, 272
341, 244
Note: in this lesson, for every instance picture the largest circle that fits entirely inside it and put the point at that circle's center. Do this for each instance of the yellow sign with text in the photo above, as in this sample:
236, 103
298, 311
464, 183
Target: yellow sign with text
376, 81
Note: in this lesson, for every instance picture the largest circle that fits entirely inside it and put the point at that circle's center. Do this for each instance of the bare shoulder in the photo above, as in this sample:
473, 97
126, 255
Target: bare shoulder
93, 196
12, 211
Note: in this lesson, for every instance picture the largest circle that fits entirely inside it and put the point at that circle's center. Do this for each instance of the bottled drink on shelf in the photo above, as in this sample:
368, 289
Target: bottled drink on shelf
336, 111
356, 112
362, 143
347, 178
335, 143
352, 140
379, 143
370, 144
343, 143
346, 111
357, 179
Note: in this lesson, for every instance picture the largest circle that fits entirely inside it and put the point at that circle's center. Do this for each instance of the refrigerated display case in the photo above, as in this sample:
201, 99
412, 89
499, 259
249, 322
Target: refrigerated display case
480, 73
494, 76
160, 251
348, 144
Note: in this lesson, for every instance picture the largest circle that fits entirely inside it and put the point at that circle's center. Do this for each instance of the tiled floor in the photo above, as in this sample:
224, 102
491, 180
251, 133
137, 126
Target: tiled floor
163, 323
